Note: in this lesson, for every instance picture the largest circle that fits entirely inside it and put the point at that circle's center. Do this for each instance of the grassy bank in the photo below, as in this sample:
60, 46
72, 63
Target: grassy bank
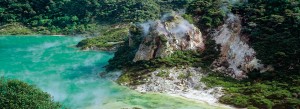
15, 29
109, 37
278, 93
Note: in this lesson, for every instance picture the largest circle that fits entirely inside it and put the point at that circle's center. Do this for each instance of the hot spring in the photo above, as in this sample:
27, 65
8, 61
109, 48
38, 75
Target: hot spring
70, 75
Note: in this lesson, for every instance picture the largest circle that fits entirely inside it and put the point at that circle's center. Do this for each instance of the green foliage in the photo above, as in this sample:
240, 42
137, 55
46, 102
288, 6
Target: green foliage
73, 16
184, 76
270, 24
123, 59
214, 80
129, 10
181, 76
209, 13
39, 14
189, 18
163, 74
124, 79
178, 58
177, 5
15, 94
133, 77
248, 93
134, 73
125, 54
14, 29
109, 36
65, 16
276, 25
239, 100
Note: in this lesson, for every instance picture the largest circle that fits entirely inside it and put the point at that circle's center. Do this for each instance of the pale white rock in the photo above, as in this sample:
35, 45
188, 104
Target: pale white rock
237, 57
162, 37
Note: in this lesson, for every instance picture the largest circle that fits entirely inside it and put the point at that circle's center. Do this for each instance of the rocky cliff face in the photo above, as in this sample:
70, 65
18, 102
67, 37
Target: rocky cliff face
162, 37
237, 58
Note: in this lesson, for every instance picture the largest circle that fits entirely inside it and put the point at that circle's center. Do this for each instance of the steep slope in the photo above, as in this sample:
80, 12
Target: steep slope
163, 37
258, 63
237, 58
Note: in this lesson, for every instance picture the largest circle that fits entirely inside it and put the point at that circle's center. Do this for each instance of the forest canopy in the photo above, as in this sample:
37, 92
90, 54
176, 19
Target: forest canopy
73, 16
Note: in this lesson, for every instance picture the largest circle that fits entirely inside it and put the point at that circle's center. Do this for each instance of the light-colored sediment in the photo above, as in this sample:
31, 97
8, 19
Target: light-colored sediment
178, 82
183, 82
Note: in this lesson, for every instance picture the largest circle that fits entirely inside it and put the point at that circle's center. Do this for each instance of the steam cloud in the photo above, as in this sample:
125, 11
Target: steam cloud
180, 27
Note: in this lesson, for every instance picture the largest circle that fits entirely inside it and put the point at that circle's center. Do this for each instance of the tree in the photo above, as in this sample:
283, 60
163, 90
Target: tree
15, 94
274, 30
209, 13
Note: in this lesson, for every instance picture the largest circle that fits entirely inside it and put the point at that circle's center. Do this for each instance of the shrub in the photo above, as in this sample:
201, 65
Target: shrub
273, 24
209, 13
238, 100
279, 94
182, 76
163, 74
189, 18
262, 102
248, 93
109, 36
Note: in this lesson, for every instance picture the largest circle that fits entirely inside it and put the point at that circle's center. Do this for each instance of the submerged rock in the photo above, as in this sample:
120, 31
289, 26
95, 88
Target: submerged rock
162, 37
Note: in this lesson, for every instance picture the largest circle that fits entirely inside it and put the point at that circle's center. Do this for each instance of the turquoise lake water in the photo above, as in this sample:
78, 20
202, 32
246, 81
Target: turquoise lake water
70, 75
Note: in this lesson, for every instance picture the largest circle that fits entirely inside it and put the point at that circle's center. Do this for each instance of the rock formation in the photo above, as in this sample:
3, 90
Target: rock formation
162, 37
237, 58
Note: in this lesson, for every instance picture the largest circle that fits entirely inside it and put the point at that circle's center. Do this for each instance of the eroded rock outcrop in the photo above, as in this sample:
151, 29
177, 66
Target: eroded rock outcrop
162, 37
237, 58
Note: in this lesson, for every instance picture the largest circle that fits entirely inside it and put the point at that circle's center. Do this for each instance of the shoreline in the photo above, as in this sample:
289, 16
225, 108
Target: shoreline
35, 35
217, 104
190, 88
